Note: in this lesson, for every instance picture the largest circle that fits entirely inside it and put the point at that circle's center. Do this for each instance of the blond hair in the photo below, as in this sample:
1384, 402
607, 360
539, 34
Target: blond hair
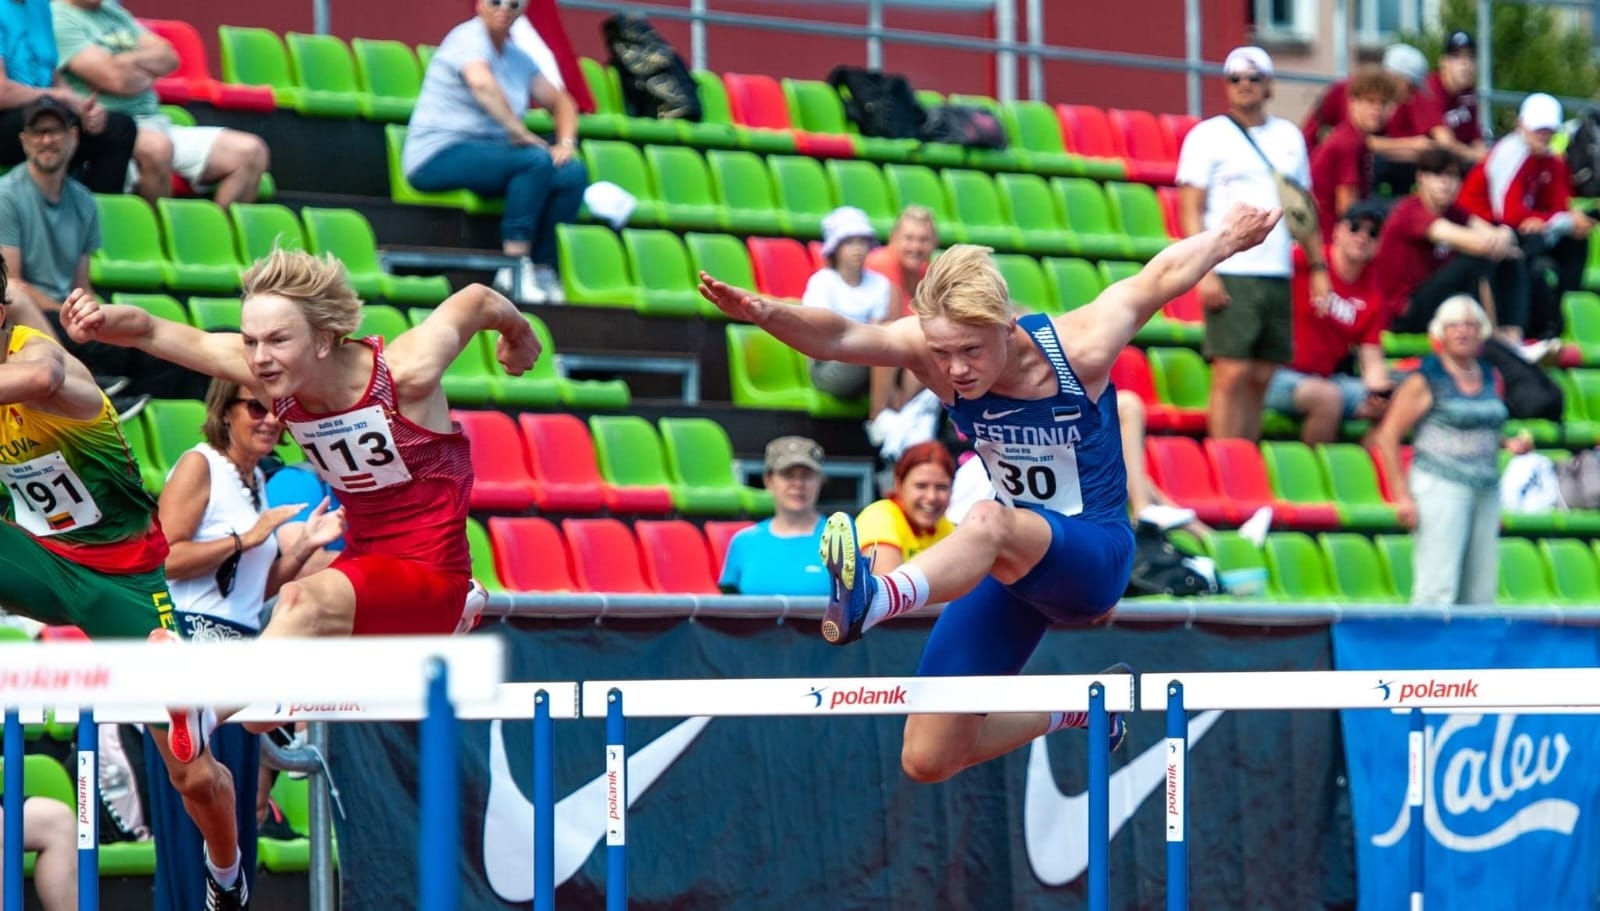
915, 214
1460, 308
964, 286
317, 283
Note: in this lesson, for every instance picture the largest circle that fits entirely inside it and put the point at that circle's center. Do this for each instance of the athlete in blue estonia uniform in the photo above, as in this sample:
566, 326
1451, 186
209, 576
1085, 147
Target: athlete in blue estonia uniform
1034, 392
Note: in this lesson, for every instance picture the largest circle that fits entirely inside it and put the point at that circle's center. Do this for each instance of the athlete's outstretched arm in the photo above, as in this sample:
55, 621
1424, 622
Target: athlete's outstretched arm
217, 354
419, 356
1108, 324
818, 332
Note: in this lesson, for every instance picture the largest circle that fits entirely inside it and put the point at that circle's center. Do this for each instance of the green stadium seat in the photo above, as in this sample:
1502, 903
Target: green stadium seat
976, 205
621, 163
1136, 211
531, 390
255, 56
1182, 378
636, 129
137, 433
716, 128
1089, 219
1353, 482
666, 280
803, 192
130, 254
1030, 206
288, 855
1576, 427
764, 372
1296, 478
1353, 564
382, 320
1394, 555
1295, 566
1573, 570
1007, 159
214, 314
483, 568
1073, 282
179, 116
468, 380
1524, 576
1234, 552
1034, 129
918, 184
1159, 330
1581, 325
686, 197
608, 119
700, 464
744, 187
628, 450
200, 245
425, 54
401, 190
594, 270
861, 184
389, 75
174, 427
346, 234
723, 256
322, 66
817, 108
260, 227
1026, 283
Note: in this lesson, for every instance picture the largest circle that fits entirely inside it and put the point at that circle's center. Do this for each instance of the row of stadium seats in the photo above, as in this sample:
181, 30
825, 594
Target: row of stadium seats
670, 556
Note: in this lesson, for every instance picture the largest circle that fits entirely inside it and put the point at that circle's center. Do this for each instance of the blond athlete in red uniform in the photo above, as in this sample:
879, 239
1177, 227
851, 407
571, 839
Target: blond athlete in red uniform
374, 424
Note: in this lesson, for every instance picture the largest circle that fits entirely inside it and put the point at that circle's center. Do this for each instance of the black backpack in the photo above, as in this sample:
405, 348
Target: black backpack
656, 83
1583, 153
1529, 391
964, 125
879, 104
1161, 569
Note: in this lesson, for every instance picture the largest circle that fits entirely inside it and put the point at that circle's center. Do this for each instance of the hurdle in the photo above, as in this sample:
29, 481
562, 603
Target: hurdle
422, 678
617, 700
1411, 691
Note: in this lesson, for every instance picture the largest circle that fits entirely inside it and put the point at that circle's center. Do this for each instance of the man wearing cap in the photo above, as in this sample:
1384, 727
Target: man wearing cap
1404, 62
779, 556
849, 289
28, 73
1352, 316
1521, 183
1446, 109
1235, 158
1342, 166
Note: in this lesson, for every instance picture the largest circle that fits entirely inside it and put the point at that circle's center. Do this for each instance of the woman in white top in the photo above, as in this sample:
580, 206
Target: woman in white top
225, 561
847, 288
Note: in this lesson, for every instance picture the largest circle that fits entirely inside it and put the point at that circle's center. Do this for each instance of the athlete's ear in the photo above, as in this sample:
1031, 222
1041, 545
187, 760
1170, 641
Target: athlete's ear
324, 343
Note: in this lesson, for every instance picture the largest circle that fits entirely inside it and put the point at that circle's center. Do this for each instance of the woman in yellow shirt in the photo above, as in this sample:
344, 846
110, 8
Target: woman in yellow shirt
911, 519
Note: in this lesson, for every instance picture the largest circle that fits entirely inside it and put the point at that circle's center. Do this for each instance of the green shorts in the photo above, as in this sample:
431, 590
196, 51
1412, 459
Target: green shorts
1257, 324
36, 583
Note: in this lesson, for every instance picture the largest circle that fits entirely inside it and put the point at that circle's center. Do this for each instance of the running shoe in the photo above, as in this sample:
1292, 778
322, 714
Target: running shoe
1119, 727
472, 610
853, 584
189, 729
234, 898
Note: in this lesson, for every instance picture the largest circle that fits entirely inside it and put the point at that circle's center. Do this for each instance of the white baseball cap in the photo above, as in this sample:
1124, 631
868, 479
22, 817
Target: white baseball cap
1406, 62
1540, 112
841, 225
1247, 59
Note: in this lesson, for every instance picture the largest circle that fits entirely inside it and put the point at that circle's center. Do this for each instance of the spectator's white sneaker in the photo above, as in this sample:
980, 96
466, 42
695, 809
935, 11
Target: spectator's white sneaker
529, 288
550, 283
505, 281
1536, 352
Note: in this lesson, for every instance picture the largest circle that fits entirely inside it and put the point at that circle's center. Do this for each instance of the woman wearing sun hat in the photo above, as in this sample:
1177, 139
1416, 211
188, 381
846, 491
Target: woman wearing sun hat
846, 287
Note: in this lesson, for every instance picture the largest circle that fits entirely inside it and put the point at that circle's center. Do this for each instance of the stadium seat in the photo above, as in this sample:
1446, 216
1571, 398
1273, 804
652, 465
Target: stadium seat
675, 557
608, 121
346, 234
1242, 478
1179, 467
1183, 381
1130, 372
543, 386
715, 129
175, 427
918, 184
1087, 133
623, 164
1353, 565
1296, 568
1035, 130
260, 227
628, 451
1573, 569
700, 462
467, 381
1136, 212
389, 75
322, 67
724, 257
1178, 127
745, 191
861, 184
1383, 473
482, 551
256, 56
382, 320
561, 461
159, 305
530, 554
764, 372
1074, 282
758, 103
782, 266
1235, 552
594, 270
200, 245
214, 314
130, 255
1089, 219
1353, 482
666, 280
1524, 576
192, 80
718, 534
1296, 478
1394, 555
1026, 283
802, 190
137, 435
679, 173
500, 476
605, 556
1171, 210
975, 204
1146, 146
401, 190
989, 159
1028, 204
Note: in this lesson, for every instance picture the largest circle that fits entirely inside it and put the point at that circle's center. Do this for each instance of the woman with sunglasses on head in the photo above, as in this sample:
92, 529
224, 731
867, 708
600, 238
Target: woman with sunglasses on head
224, 562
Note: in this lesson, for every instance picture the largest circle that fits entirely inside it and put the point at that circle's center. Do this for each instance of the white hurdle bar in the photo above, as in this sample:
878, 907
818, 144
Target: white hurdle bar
1097, 694
1546, 690
427, 675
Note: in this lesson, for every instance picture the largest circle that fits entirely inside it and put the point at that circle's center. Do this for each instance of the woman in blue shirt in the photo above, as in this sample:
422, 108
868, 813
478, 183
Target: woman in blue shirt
779, 556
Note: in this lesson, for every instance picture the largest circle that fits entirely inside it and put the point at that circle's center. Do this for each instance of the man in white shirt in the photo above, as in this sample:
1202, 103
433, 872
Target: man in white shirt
1249, 319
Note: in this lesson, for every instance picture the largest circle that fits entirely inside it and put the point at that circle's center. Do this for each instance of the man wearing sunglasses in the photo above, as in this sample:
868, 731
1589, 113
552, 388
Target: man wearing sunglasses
1351, 317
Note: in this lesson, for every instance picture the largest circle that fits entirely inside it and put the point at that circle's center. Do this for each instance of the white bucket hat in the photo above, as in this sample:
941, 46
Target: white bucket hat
841, 225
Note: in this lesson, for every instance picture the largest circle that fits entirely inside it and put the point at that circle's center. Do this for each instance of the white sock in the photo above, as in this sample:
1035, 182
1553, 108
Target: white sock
225, 876
899, 592
1059, 720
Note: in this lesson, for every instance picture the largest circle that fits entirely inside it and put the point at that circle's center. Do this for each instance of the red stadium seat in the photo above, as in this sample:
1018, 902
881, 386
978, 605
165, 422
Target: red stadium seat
1146, 146
676, 559
1131, 371
781, 265
62, 634
1383, 476
818, 261
1178, 466
1241, 476
1171, 211
1177, 127
192, 80
1087, 131
758, 102
500, 474
561, 462
605, 556
718, 534
529, 554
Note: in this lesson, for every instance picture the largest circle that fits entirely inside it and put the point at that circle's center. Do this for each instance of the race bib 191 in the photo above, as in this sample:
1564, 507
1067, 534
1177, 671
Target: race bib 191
354, 452
49, 496
1042, 476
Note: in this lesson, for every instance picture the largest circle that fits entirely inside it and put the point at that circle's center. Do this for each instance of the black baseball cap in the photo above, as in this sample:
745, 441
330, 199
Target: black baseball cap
1458, 42
1366, 210
45, 104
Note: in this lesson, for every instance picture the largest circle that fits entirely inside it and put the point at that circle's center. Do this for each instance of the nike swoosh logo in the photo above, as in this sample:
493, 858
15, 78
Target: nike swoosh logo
1053, 823
996, 415
508, 837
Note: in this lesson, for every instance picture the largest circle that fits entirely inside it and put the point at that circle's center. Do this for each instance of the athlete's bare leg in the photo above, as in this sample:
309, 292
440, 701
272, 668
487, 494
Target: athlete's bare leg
322, 604
208, 796
936, 747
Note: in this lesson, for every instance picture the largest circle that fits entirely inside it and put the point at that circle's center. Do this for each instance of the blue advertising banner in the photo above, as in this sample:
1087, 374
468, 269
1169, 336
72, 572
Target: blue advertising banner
1512, 806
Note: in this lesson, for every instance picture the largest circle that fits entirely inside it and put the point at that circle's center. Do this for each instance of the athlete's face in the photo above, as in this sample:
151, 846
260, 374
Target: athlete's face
924, 494
279, 343
252, 427
970, 355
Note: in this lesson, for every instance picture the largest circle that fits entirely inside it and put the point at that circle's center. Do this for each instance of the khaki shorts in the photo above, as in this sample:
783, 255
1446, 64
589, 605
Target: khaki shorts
1258, 324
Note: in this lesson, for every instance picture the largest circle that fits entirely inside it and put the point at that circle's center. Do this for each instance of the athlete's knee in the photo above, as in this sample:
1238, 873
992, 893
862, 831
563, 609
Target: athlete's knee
202, 781
927, 761
986, 521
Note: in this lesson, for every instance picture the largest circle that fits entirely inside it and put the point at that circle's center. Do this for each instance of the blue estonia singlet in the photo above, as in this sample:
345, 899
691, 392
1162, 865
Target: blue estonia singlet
1062, 454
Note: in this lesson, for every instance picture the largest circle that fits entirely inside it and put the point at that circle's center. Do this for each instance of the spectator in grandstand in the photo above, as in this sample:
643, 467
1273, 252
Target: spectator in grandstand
1431, 249
847, 288
1452, 496
1402, 61
50, 827
1342, 166
298, 483
225, 560
1446, 108
1352, 317
28, 64
912, 518
467, 132
904, 259
1522, 184
780, 555
106, 53
1236, 157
